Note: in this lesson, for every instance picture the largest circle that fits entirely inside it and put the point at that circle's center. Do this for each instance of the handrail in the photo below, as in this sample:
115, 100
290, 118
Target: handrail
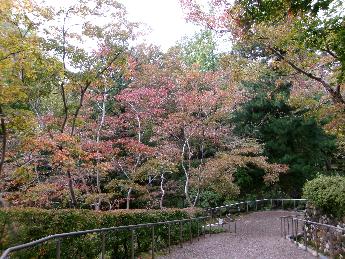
58, 237
294, 230
253, 201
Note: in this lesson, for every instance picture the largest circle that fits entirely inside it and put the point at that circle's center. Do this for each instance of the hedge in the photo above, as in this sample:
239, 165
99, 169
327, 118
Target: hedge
328, 194
21, 225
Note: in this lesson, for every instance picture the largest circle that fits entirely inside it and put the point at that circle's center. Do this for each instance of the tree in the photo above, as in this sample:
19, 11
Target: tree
294, 35
200, 50
288, 136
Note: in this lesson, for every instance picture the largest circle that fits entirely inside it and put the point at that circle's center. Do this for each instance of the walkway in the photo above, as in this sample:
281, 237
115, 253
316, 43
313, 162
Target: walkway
258, 236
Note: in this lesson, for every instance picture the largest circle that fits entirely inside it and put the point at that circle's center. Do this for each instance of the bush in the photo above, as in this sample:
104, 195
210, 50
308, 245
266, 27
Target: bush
328, 194
22, 225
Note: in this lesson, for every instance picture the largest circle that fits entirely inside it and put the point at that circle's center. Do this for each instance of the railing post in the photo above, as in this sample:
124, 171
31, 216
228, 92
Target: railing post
132, 244
181, 235
271, 204
58, 248
256, 205
296, 228
197, 227
153, 242
210, 227
103, 246
247, 206
169, 238
235, 227
316, 245
331, 244
190, 231
305, 236
292, 229
229, 222
282, 204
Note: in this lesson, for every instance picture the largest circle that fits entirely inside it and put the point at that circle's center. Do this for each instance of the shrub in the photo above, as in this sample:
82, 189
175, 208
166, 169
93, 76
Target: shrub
328, 194
22, 225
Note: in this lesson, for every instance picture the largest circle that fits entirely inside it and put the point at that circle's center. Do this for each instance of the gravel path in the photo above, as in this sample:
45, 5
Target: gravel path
258, 236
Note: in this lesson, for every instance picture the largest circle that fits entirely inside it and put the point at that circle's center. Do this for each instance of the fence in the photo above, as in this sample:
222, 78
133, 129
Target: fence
247, 206
200, 223
326, 239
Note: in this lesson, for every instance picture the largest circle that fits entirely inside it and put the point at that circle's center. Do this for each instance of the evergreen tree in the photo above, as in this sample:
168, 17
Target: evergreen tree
288, 135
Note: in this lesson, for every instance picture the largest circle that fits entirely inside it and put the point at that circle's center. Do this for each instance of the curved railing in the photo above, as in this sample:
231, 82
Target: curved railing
247, 206
322, 238
200, 221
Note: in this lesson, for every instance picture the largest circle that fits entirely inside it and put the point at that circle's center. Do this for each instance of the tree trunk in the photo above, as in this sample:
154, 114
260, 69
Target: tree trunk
71, 190
4, 139
128, 199
163, 192
186, 185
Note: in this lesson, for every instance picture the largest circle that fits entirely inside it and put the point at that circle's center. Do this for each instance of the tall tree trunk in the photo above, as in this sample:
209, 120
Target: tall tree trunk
98, 135
4, 139
162, 191
71, 190
128, 199
186, 185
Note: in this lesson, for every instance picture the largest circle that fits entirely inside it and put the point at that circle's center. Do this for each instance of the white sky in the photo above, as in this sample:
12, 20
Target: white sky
164, 17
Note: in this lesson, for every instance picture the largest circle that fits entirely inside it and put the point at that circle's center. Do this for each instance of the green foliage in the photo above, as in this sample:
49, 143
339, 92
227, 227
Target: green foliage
200, 50
327, 193
19, 226
289, 137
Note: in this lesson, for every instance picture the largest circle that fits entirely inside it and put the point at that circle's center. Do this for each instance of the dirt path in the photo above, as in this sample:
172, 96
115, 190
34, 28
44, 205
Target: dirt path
258, 236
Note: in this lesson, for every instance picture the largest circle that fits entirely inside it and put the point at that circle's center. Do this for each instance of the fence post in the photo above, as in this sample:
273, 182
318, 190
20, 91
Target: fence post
331, 244
58, 248
153, 242
316, 245
271, 204
256, 205
190, 231
169, 238
181, 234
103, 245
296, 230
197, 227
247, 206
132, 244
305, 236
292, 229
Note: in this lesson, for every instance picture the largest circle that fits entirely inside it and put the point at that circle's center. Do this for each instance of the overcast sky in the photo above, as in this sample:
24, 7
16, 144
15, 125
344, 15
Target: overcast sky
165, 17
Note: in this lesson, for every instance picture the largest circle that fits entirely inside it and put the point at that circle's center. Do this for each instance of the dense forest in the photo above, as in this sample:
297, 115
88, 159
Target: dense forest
91, 120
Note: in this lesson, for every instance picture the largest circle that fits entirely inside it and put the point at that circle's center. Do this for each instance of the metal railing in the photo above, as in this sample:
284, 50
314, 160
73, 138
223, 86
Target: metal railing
324, 238
244, 206
247, 206
200, 222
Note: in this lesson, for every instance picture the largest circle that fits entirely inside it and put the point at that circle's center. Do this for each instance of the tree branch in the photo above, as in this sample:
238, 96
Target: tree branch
336, 96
